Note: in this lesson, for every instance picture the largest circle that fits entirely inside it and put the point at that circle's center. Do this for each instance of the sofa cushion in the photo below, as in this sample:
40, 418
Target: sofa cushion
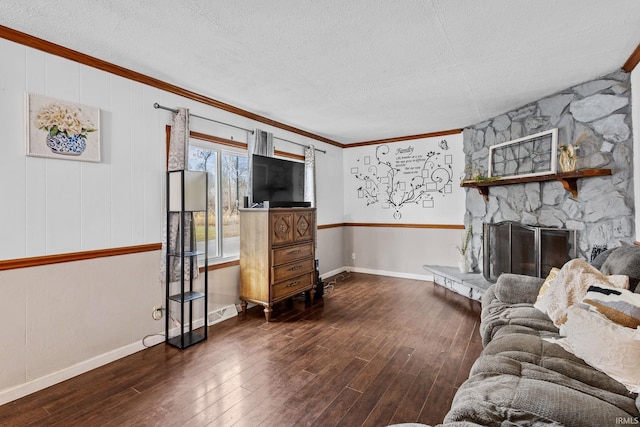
539, 348
601, 258
502, 391
624, 260
497, 314
517, 288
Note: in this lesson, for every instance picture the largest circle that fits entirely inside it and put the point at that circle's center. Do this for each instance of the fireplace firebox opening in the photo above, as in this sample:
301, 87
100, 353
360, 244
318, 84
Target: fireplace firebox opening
510, 247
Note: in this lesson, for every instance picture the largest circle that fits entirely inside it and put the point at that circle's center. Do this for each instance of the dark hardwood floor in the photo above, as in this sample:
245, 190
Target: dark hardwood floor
375, 351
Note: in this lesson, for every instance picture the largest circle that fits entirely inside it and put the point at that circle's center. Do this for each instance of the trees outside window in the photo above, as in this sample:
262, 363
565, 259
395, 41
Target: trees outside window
228, 182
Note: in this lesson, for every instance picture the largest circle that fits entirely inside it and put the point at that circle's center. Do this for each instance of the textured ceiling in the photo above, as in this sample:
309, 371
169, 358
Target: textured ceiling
350, 70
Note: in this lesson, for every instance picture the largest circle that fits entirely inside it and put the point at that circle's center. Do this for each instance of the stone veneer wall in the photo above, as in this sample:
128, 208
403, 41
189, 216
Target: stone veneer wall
598, 115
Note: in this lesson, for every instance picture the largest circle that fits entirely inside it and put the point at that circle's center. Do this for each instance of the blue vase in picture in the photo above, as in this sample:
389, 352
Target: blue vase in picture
60, 143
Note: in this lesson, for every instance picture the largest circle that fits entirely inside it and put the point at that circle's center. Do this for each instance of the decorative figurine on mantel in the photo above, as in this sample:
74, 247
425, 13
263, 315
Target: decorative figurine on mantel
567, 160
569, 155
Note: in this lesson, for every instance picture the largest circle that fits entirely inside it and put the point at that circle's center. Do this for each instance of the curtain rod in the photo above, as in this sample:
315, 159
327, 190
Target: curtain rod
156, 105
302, 145
173, 110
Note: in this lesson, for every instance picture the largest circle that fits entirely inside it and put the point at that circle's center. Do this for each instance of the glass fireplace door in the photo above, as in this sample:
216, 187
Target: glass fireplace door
510, 247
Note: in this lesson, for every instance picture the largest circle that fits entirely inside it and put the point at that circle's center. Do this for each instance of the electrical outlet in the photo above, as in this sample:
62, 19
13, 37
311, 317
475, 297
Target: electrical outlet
157, 312
353, 256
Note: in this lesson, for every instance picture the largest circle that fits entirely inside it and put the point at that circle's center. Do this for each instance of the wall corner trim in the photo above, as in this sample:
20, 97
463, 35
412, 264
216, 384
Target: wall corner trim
633, 60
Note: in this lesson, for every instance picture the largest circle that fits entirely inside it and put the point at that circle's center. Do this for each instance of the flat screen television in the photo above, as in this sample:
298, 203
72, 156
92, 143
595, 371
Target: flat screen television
278, 181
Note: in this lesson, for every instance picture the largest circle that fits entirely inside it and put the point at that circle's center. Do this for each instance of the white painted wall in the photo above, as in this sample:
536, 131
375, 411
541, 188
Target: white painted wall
63, 319
400, 251
383, 182
330, 251
635, 117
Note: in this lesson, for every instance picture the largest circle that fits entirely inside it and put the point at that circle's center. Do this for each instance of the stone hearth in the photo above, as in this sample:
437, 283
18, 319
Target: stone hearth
471, 285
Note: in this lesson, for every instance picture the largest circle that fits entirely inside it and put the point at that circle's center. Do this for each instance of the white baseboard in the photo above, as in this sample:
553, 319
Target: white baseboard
333, 272
8, 395
222, 313
348, 268
216, 315
48, 380
424, 277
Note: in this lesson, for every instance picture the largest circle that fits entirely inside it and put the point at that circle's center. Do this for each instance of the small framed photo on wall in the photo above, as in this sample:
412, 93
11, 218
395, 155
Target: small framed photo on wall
60, 129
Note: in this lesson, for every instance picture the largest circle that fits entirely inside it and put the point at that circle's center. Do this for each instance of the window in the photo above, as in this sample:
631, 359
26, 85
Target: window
228, 182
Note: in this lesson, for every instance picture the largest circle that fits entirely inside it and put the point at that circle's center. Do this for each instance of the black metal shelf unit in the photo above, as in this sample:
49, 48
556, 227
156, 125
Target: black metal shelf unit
187, 194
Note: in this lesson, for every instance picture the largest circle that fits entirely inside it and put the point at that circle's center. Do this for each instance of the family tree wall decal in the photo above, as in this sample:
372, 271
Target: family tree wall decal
404, 177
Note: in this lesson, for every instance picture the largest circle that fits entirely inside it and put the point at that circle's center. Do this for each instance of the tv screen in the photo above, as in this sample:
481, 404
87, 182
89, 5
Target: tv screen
278, 181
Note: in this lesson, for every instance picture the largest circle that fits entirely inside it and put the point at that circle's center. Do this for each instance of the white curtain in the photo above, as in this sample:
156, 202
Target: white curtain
310, 184
179, 141
260, 143
310, 175
177, 159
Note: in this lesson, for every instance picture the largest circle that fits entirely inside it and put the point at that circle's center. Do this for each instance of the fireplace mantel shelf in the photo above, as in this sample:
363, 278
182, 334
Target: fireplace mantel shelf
568, 180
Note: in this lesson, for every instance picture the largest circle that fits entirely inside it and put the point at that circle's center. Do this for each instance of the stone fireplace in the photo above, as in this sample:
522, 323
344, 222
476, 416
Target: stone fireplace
596, 116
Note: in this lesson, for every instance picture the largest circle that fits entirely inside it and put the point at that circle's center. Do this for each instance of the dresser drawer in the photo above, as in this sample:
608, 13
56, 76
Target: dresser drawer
287, 271
292, 253
292, 286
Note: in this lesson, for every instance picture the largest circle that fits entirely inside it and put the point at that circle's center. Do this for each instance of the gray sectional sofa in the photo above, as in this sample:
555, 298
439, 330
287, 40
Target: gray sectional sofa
522, 379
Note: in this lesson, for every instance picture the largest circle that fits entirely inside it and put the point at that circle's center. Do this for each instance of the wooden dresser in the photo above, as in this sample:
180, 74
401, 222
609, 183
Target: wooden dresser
277, 255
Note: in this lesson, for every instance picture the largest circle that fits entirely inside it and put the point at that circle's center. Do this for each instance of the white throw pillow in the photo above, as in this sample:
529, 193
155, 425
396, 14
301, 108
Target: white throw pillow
603, 344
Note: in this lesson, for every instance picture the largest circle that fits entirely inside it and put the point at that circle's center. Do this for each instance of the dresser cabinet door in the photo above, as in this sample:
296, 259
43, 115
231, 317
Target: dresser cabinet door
281, 228
303, 226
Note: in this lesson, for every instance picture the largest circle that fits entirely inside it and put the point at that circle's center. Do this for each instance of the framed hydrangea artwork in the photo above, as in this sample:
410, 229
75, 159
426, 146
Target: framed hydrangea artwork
61, 129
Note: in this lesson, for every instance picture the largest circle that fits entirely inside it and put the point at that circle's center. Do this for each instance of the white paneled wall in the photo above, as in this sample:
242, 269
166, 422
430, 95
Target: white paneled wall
57, 206
12, 162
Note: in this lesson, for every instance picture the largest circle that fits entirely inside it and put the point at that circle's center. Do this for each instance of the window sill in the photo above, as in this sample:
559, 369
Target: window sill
222, 263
